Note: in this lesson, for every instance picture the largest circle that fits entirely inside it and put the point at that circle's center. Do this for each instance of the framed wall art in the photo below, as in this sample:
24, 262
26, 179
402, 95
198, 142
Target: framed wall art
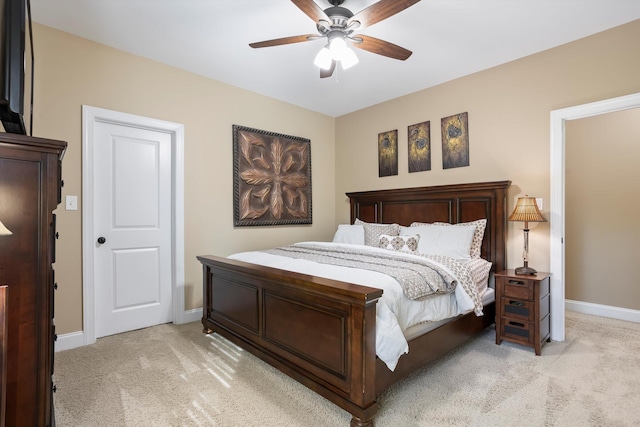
271, 178
388, 153
455, 141
419, 137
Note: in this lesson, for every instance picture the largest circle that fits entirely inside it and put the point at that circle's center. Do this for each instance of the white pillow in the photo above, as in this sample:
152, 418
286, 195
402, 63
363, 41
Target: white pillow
454, 242
408, 243
346, 233
476, 243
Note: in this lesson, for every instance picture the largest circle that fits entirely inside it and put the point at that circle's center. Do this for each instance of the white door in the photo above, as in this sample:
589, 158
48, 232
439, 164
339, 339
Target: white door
132, 227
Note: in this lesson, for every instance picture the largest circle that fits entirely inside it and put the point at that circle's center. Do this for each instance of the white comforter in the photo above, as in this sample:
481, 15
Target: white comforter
395, 312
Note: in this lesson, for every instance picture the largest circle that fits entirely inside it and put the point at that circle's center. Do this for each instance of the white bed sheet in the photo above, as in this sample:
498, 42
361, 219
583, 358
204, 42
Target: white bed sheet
395, 313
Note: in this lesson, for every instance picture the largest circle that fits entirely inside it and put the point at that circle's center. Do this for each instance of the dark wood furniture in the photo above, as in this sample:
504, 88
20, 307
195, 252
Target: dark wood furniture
523, 309
3, 351
29, 192
322, 332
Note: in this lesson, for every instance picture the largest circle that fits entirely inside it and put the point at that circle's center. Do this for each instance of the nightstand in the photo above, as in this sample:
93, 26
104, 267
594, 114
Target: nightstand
522, 309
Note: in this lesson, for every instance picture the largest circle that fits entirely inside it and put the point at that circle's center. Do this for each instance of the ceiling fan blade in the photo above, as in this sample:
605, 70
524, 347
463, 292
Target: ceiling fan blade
379, 11
329, 72
312, 10
380, 47
284, 40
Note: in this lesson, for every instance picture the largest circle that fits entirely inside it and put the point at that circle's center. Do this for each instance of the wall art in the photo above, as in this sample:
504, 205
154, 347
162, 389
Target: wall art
419, 137
455, 141
388, 153
271, 178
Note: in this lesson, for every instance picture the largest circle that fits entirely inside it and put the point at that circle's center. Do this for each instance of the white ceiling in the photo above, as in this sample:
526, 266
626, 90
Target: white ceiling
448, 38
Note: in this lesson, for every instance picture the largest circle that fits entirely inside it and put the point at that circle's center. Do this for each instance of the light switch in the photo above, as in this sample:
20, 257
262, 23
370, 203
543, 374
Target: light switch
539, 203
71, 203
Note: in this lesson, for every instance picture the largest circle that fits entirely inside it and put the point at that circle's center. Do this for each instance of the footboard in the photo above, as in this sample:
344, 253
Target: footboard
318, 331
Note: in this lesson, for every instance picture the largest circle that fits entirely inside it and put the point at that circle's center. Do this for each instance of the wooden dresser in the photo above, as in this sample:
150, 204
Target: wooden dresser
30, 189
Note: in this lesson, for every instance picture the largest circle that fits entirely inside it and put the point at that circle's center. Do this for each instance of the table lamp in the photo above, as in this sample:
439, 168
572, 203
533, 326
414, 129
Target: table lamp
526, 210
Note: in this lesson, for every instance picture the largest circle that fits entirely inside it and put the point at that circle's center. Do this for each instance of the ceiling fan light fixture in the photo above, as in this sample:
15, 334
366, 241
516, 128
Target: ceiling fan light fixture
323, 59
337, 24
338, 48
349, 59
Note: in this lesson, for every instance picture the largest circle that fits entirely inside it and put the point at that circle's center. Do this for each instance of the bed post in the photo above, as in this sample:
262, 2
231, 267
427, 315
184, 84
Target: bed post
363, 362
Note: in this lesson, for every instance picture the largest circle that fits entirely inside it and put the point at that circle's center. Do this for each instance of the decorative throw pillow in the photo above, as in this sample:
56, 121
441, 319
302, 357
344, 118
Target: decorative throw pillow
373, 231
347, 233
400, 243
454, 242
478, 235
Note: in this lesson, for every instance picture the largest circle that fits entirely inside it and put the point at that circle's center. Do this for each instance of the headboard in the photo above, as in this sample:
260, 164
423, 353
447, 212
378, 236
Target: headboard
443, 203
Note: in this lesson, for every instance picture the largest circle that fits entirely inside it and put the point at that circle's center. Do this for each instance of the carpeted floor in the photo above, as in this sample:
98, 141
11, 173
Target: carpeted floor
172, 375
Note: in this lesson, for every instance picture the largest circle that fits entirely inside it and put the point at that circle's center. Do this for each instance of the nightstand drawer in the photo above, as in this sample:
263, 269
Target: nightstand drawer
517, 309
517, 288
517, 330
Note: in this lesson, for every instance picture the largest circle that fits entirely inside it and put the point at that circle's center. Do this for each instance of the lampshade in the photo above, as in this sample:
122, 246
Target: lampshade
526, 210
349, 59
338, 47
4, 231
323, 59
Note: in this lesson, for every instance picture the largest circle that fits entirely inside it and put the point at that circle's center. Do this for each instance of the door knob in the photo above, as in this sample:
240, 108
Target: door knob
101, 240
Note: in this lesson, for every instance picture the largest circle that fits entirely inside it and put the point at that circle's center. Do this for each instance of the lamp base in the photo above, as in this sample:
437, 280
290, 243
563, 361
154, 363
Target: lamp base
526, 271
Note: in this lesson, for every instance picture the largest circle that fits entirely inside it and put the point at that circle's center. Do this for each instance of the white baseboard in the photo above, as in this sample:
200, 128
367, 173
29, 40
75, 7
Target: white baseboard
69, 341
189, 316
76, 339
603, 310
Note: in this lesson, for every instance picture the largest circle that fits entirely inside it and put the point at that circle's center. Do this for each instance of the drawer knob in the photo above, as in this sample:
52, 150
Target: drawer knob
516, 282
518, 303
516, 324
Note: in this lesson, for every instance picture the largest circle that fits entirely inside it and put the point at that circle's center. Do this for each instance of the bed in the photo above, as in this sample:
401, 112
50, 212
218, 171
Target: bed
322, 332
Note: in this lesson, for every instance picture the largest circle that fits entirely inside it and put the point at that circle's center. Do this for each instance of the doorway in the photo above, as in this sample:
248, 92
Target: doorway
557, 209
133, 226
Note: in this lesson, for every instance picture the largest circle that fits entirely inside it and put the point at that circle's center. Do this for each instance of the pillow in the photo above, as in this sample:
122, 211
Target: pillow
347, 233
480, 270
407, 243
476, 243
373, 231
454, 242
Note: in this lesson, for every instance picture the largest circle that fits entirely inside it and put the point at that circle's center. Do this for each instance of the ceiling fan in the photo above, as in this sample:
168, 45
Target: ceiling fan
338, 25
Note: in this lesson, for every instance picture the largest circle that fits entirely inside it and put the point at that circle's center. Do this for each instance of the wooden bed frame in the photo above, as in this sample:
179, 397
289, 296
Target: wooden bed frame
322, 332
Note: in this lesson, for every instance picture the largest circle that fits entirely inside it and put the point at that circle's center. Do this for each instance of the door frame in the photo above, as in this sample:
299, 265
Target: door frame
90, 116
557, 209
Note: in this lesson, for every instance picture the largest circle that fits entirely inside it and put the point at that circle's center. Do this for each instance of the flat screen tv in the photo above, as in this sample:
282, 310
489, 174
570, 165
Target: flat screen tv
12, 46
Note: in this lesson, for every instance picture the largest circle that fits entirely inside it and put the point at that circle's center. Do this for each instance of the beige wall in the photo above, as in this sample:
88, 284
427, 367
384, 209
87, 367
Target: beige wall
71, 71
602, 201
509, 108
